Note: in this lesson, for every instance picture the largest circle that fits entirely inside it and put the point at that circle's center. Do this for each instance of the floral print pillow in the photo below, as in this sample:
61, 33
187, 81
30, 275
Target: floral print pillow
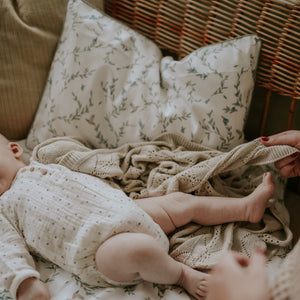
110, 85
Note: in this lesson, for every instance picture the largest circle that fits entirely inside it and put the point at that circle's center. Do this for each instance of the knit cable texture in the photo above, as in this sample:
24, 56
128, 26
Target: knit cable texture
172, 163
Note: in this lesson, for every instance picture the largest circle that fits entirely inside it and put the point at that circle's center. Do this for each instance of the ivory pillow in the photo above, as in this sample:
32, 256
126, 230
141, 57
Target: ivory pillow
111, 85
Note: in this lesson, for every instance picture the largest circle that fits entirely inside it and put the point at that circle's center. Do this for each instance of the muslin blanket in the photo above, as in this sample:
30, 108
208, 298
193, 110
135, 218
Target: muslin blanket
171, 163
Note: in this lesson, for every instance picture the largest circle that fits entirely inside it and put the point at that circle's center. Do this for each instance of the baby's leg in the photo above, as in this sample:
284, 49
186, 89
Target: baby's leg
177, 209
126, 255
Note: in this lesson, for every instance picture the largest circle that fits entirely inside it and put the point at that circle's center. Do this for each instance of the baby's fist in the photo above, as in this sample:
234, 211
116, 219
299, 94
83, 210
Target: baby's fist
32, 289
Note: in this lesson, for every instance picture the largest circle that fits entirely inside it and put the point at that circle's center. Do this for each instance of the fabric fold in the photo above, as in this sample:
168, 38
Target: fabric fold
171, 163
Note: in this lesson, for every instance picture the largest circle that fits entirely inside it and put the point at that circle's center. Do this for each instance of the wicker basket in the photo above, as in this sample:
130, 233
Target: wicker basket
181, 26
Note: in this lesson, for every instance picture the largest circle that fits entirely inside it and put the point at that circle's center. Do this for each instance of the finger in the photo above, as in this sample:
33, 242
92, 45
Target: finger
232, 259
291, 137
287, 171
241, 259
291, 170
286, 161
226, 261
258, 260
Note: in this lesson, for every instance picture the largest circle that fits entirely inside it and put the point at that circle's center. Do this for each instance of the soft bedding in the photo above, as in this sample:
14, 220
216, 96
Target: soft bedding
173, 163
109, 85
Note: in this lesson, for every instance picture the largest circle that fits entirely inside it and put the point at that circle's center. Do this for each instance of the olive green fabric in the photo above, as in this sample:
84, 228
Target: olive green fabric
29, 31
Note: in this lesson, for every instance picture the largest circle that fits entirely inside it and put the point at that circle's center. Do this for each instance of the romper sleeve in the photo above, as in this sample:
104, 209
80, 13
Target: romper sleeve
16, 263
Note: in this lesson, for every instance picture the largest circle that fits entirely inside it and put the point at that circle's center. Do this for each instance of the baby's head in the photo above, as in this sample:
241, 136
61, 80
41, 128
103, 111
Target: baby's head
10, 162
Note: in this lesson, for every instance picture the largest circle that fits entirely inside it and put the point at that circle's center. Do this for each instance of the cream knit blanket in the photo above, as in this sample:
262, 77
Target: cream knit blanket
172, 163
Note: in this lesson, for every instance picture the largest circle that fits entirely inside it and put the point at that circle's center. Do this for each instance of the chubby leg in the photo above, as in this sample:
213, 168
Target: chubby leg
126, 255
177, 209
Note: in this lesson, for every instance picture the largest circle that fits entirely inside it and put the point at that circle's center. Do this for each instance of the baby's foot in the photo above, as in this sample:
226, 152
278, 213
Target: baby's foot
194, 282
257, 201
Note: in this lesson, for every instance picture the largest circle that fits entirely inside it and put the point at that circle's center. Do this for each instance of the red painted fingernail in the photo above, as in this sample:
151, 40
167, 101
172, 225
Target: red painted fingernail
261, 250
264, 138
295, 154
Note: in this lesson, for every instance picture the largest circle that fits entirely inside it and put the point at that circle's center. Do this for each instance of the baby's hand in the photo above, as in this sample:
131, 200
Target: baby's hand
32, 289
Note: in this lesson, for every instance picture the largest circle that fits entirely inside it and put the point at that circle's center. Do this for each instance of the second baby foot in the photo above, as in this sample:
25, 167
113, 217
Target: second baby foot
257, 201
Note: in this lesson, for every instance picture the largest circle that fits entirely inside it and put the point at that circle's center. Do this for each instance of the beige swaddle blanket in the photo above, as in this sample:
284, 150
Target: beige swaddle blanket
171, 163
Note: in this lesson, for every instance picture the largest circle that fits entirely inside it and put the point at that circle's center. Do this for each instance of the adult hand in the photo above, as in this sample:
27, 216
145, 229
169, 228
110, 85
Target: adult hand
288, 166
236, 277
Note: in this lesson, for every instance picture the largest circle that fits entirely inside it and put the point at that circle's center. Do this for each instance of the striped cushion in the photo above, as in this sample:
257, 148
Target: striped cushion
29, 33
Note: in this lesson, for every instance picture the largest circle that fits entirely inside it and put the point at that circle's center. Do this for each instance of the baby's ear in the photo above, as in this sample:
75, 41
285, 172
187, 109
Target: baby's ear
16, 149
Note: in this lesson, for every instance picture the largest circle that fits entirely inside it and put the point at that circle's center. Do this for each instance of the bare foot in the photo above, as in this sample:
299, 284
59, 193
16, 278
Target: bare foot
194, 282
257, 201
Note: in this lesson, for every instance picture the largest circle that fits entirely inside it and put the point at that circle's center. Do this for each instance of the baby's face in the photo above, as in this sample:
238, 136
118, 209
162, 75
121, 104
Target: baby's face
9, 165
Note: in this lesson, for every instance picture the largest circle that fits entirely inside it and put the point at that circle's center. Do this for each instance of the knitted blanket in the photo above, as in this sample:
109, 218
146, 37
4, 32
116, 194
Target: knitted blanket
171, 163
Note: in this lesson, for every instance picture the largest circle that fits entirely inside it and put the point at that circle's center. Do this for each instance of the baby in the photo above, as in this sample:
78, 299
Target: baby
95, 231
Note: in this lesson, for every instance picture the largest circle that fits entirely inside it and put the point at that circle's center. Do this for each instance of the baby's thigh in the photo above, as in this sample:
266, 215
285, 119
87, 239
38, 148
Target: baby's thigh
120, 257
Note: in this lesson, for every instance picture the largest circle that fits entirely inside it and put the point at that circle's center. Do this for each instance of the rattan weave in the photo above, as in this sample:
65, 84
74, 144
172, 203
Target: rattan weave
181, 26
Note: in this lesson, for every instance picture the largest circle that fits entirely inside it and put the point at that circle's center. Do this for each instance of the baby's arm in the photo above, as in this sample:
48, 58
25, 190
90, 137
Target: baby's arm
17, 268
